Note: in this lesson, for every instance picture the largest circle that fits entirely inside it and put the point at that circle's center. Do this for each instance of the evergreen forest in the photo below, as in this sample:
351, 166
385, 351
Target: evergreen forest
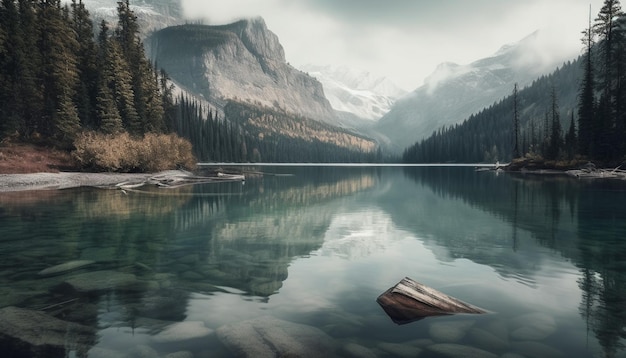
60, 76
577, 112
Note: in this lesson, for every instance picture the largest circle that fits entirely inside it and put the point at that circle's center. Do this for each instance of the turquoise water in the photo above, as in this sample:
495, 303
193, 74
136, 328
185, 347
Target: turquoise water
195, 270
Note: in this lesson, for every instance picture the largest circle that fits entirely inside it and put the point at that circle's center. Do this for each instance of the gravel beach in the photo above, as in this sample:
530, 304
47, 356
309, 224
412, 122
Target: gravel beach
65, 180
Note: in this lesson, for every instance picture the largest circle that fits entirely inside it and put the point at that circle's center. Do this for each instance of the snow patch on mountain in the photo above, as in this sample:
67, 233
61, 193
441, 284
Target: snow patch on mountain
355, 91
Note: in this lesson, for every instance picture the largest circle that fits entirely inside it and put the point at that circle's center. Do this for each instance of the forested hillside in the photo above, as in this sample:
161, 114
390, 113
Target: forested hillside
578, 111
256, 134
488, 135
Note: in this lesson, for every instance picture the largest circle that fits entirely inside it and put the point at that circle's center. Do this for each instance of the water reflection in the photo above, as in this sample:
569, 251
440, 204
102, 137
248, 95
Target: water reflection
317, 247
583, 221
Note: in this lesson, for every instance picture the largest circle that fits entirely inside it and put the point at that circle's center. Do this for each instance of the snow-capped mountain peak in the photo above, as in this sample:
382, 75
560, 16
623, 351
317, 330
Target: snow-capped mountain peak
356, 91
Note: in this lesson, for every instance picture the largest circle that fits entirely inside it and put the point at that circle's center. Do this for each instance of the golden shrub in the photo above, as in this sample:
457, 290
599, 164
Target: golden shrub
123, 153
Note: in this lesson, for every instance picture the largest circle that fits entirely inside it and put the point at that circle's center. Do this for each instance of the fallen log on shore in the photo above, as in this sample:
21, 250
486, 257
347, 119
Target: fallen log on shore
409, 301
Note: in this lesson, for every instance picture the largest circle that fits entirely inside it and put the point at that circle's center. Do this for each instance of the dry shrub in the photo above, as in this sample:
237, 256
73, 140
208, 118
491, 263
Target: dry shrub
123, 153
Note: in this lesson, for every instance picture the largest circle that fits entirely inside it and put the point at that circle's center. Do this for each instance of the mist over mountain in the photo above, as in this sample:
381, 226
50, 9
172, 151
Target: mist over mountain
151, 15
356, 92
243, 61
453, 92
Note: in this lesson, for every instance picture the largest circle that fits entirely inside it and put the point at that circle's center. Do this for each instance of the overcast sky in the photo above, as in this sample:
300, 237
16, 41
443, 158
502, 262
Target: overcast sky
405, 39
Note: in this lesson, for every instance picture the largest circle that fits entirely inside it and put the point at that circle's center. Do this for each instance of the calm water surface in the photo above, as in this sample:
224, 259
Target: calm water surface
200, 271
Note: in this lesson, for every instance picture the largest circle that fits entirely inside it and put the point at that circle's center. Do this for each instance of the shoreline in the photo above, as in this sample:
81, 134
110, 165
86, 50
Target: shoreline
66, 180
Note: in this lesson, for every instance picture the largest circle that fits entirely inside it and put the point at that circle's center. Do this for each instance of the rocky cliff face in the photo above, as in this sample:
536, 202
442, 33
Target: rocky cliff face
243, 61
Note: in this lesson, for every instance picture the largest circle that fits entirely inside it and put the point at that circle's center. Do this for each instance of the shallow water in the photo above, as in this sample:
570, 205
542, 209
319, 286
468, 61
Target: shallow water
545, 255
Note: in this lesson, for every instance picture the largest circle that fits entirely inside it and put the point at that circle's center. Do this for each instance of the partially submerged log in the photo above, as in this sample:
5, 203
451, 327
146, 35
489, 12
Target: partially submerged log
410, 301
177, 178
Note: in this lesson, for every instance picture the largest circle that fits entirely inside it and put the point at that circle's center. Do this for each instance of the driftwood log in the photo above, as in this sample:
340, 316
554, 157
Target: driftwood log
409, 301
177, 178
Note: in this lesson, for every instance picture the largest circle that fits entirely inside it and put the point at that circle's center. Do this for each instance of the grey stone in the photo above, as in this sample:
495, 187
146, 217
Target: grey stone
97, 352
98, 253
498, 328
271, 337
533, 327
341, 330
36, 330
459, 351
103, 281
421, 343
142, 351
400, 350
512, 355
64, 267
449, 332
182, 331
191, 276
189, 259
488, 341
353, 350
533, 349
181, 354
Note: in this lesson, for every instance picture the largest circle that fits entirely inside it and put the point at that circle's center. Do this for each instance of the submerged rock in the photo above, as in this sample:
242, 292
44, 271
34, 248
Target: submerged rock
143, 351
272, 337
32, 333
449, 332
353, 350
459, 351
533, 327
535, 350
64, 267
400, 350
182, 331
103, 281
181, 354
486, 340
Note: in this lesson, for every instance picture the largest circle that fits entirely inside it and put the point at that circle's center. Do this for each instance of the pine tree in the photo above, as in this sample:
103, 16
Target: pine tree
555, 141
60, 74
87, 88
586, 102
30, 99
516, 151
11, 60
169, 107
147, 98
570, 139
605, 27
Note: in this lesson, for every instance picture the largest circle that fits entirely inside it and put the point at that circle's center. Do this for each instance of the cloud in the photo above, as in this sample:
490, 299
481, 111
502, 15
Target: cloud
404, 40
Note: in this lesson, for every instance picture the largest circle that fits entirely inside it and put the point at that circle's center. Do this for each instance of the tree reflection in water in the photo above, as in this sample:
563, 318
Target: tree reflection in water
590, 213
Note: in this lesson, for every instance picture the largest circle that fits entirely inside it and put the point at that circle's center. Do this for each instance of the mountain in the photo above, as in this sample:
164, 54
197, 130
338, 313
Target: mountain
242, 61
453, 92
151, 15
356, 92
487, 136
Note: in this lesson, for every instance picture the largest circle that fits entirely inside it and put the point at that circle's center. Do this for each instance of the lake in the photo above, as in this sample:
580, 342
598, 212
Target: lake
293, 261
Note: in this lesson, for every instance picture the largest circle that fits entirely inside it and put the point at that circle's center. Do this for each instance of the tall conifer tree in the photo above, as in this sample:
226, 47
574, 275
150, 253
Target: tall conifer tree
87, 87
60, 74
586, 102
516, 150
605, 126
